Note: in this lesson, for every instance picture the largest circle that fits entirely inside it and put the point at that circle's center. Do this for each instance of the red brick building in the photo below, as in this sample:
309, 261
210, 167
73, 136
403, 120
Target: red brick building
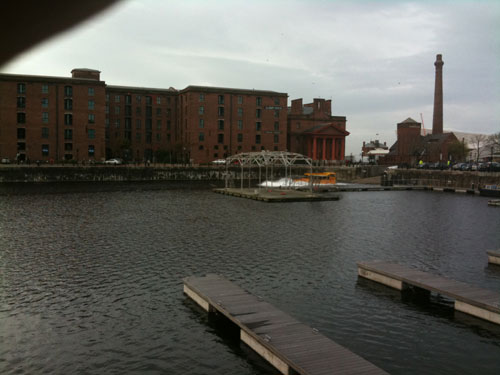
313, 131
141, 122
217, 122
52, 118
81, 118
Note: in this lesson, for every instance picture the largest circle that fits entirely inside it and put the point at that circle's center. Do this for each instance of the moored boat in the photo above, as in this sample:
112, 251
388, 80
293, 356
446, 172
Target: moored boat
490, 191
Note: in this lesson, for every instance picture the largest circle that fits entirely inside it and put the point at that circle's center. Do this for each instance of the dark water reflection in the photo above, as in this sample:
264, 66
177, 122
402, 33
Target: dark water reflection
91, 282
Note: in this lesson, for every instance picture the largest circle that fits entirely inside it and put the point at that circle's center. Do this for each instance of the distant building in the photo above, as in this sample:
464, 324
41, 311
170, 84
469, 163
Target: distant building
411, 146
313, 131
374, 149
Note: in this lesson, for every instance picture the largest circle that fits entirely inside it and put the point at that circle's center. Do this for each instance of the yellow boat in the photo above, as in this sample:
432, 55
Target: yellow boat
320, 178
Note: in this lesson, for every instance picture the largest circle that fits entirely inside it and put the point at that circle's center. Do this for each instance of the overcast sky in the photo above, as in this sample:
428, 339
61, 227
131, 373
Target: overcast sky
374, 59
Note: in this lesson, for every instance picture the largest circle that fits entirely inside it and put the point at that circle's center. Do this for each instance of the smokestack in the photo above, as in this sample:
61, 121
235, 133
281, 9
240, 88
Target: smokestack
437, 119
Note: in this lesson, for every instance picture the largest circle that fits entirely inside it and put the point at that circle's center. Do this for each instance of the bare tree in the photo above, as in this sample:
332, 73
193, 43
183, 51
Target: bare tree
478, 143
494, 143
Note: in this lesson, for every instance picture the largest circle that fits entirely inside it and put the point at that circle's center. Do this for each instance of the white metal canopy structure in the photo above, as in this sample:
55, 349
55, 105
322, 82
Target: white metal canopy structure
267, 159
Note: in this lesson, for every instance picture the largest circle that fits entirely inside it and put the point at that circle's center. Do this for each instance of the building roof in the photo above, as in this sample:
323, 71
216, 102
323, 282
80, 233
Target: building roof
409, 120
318, 128
232, 90
170, 90
34, 78
86, 70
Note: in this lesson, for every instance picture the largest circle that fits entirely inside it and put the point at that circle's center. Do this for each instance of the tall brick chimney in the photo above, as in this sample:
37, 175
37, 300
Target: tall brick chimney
437, 118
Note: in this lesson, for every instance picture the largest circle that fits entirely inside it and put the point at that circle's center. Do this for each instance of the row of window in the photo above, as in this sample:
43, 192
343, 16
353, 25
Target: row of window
220, 112
220, 99
138, 99
68, 90
148, 124
68, 147
220, 125
138, 137
138, 111
68, 133
220, 138
68, 118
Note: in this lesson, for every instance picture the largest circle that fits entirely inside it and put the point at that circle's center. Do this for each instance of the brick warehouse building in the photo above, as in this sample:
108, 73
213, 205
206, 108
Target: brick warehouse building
52, 118
81, 118
313, 131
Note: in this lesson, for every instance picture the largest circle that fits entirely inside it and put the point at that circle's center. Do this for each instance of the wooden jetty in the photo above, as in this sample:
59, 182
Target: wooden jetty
494, 257
278, 195
290, 346
494, 202
481, 303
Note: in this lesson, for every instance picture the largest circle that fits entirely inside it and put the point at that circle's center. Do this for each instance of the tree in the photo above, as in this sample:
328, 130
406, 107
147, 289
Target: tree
457, 150
494, 144
478, 143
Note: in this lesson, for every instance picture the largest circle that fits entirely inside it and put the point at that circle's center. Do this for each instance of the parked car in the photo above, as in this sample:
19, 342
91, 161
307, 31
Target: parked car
5, 161
219, 161
458, 166
114, 161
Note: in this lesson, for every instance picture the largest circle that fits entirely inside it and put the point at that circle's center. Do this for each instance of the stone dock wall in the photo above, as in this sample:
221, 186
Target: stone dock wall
438, 178
24, 173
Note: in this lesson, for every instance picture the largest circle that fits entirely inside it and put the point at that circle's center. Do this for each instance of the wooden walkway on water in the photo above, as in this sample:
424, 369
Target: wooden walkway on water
290, 346
494, 257
482, 303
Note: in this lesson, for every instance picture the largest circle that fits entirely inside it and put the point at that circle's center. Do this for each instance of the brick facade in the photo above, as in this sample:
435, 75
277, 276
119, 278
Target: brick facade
81, 118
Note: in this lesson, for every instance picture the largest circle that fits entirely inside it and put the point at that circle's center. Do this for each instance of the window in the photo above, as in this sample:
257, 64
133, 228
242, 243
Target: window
45, 150
240, 112
128, 110
221, 99
21, 118
117, 98
45, 102
138, 111
158, 137
91, 104
91, 91
200, 147
240, 99
276, 138
117, 110
201, 137
240, 137
201, 110
168, 124
158, 100
91, 151
138, 98
91, 133
220, 138
202, 98
148, 138
128, 123
91, 118
68, 134
276, 126
201, 123
240, 124
68, 156
220, 111
45, 132
258, 112
216, 147
45, 88
169, 112
68, 119
239, 147
107, 97
257, 139
117, 123
138, 124
45, 117
68, 91
21, 88
276, 113
259, 101
158, 111
138, 137
276, 101
68, 104
158, 124
106, 123
221, 124
68, 147
21, 102
21, 133
216, 155
149, 111
149, 101
168, 137
21, 146
106, 109
149, 124
258, 126
128, 99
